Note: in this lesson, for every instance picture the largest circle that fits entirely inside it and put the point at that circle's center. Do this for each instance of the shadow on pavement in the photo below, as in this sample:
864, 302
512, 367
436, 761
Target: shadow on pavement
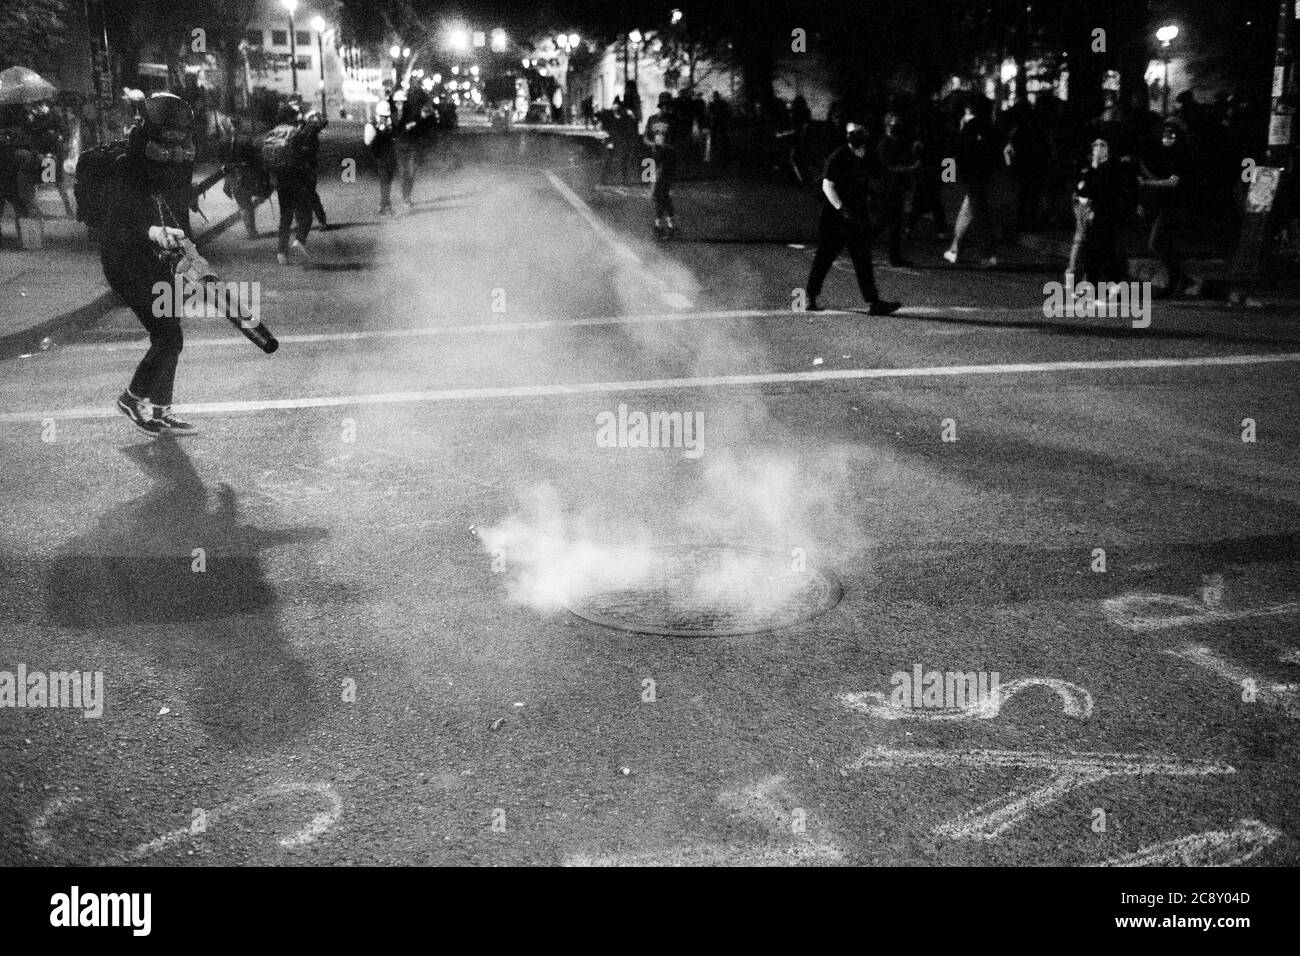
135, 580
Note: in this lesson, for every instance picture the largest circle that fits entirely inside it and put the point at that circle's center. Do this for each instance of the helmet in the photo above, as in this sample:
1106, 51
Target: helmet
288, 113
382, 108
167, 111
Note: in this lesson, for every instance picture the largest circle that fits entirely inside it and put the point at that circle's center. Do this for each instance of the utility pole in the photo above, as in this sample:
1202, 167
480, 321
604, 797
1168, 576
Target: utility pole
1284, 87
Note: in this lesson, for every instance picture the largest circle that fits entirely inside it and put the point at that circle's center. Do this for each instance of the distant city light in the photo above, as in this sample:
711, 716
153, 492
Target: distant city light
499, 40
406, 52
394, 51
437, 77
635, 36
677, 16
473, 70
480, 39
458, 40
455, 71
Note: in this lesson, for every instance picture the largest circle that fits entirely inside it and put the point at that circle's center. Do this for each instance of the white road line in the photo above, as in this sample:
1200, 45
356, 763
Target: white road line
1285, 696
665, 384
621, 249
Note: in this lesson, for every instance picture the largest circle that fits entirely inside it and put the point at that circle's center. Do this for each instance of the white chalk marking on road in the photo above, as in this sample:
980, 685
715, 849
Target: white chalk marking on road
797, 854
1154, 612
1290, 657
1068, 772
39, 830
621, 249
1277, 695
320, 823
664, 384
1075, 702
464, 329
1232, 847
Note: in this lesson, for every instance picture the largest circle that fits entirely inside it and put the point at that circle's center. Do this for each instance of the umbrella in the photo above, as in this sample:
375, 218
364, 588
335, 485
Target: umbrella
21, 85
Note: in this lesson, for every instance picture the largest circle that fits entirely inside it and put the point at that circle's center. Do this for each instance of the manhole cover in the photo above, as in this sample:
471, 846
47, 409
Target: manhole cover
703, 592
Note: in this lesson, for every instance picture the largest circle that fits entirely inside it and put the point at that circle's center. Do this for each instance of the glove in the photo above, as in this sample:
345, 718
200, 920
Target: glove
166, 237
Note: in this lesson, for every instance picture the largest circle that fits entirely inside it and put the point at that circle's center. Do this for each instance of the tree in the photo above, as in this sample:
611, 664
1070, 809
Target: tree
31, 32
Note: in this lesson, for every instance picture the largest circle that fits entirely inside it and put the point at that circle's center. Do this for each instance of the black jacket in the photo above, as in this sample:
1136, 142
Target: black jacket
144, 194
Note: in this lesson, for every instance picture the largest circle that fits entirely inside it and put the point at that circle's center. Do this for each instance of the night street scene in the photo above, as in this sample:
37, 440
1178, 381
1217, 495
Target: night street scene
789, 433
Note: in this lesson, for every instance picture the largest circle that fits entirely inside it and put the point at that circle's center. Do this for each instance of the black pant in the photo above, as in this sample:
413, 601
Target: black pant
133, 279
408, 161
834, 235
387, 163
294, 192
665, 169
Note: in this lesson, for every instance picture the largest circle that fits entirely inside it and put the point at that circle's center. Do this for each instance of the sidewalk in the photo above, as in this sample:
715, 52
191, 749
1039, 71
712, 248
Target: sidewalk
62, 286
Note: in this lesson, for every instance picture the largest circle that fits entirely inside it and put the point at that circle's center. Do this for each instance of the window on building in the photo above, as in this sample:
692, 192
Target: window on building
303, 37
279, 38
304, 63
254, 37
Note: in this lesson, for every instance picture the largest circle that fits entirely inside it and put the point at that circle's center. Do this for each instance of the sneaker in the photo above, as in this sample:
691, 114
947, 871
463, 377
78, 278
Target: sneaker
385, 210
814, 306
140, 411
299, 251
281, 258
990, 263
881, 307
171, 424
950, 256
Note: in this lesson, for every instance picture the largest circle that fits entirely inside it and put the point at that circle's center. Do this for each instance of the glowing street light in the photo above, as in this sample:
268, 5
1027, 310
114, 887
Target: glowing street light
455, 71
459, 40
1167, 34
473, 70
677, 17
635, 37
394, 51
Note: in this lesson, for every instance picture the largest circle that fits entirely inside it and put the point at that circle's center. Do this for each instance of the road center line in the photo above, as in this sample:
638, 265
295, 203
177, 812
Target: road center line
664, 384
621, 249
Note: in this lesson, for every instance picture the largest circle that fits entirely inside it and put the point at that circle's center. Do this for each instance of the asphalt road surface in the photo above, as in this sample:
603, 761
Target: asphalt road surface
328, 624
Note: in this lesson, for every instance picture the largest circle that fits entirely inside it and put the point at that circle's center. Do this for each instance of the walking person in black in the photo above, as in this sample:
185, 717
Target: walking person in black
284, 152
845, 222
659, 137
148, 215
1163, 182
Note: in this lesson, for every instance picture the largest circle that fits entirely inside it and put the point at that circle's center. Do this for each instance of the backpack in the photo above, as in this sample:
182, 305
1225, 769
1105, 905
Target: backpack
283, 147
93, 185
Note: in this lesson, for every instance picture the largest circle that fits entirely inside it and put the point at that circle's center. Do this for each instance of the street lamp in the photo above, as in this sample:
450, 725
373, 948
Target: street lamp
1166, 35
458, 40
291, 6
318, 24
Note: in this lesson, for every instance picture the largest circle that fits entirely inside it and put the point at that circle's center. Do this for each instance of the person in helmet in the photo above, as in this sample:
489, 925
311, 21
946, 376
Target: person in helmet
378, 136
286, 156
658, 137
148, 215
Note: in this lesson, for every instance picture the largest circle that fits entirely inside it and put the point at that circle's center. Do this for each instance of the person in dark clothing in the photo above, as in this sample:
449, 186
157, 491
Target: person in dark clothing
898, 163
412, 131
845, 223
247, 181
313, 124
148, 215
293, 188
659, 137
980, 151
719, 129
378, 136
927, 193
1163, 182
1103, 198
1029, 163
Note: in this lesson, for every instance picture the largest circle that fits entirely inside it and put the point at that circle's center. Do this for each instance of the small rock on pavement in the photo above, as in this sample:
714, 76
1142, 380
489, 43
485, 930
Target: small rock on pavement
496, 724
